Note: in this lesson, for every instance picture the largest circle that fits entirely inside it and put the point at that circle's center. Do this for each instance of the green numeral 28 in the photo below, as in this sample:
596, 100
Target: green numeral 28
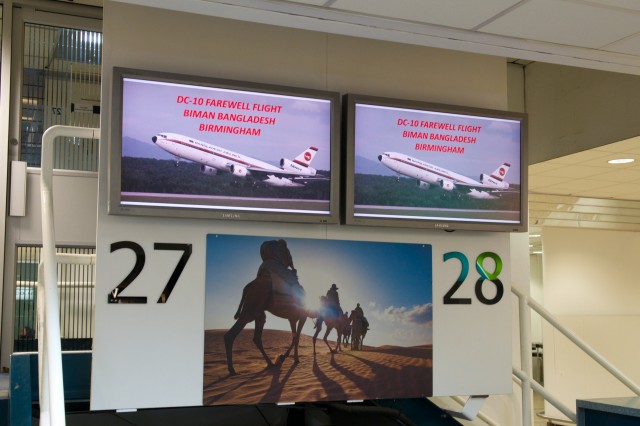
484, 276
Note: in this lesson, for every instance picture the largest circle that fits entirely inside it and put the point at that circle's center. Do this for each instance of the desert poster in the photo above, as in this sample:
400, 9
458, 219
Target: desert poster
267, 297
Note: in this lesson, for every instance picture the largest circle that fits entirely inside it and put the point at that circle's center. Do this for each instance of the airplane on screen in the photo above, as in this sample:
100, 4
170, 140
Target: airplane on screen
429, 175
216, 160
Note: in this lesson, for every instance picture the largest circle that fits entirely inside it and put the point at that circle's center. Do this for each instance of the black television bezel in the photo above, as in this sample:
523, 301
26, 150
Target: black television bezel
115, 206
348, 191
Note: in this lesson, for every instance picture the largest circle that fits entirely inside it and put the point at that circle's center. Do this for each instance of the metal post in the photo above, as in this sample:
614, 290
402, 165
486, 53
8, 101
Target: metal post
525, 359
43, 375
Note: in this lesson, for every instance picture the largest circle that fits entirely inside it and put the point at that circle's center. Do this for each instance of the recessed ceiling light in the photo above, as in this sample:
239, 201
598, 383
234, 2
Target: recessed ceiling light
621, 161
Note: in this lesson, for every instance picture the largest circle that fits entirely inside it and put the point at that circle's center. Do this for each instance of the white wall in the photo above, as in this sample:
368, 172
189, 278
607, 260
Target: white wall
75, 197
590, 284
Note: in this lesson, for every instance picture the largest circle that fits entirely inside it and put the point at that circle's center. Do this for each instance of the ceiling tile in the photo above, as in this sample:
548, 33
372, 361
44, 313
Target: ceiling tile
450, 13
621, 146
603, 162
576, 171
628, 45
580, 157
631, 175
566, 22
623, 4
581, 187
537, 182
616, 192
311, 2
543, 167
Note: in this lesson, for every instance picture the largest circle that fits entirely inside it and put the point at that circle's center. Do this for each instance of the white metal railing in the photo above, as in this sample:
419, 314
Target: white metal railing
43, 354
524, 303
49, 350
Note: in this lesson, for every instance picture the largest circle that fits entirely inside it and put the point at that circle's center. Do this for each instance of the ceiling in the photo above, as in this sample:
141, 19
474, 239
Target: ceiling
599, 34
587, 173
583, 190
576, 190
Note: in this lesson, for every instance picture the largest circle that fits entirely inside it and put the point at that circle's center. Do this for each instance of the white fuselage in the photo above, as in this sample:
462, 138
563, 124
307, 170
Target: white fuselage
423, 171
209, 155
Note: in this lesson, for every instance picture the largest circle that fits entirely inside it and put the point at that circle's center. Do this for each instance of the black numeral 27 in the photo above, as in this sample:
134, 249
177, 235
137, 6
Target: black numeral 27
114, 295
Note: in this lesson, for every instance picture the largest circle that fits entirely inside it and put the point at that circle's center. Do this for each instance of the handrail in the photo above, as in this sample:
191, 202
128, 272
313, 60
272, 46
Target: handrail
554, 420
537, 387
52, 395
523, 302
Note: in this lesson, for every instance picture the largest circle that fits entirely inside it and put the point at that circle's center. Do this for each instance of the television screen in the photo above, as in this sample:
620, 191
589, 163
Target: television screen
198, 147
423, 165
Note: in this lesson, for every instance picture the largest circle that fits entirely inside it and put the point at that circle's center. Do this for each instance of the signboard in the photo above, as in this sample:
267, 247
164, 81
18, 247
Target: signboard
166, 296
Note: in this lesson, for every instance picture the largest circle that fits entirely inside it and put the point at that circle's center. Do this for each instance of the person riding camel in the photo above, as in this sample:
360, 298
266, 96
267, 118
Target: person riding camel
359, 313
333, 301
277, 267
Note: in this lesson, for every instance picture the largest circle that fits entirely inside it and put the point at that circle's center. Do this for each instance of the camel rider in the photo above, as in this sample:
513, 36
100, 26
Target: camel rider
333, 301
358, 311
277, 266
360, 314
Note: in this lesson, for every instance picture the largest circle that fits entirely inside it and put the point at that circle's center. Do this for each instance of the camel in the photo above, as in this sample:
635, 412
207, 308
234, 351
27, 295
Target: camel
346, 334
339, 322
358, 330
276, 290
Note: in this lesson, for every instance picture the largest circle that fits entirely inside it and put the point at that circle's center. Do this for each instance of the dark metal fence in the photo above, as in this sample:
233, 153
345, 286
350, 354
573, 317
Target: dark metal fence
76, 298
61, 85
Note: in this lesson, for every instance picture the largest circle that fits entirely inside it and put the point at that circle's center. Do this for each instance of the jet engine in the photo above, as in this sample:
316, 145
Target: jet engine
238, 171
208, 170
422, 184
447, 185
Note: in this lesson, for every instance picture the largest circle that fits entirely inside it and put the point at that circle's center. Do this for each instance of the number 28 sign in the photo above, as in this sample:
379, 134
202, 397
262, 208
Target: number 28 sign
483, 276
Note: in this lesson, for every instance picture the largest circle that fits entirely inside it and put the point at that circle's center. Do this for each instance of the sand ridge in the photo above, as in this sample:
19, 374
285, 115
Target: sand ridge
374, 372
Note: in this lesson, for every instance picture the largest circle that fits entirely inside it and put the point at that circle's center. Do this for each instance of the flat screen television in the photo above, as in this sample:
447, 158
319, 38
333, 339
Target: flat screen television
199, 147
425, 165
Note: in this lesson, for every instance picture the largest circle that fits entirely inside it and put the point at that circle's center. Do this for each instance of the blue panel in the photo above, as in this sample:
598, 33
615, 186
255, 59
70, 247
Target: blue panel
20, 390
601, 418
76, 370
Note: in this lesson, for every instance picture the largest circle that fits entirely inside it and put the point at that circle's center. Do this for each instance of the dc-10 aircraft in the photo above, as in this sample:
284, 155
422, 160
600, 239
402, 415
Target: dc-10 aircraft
216, 160
431, 175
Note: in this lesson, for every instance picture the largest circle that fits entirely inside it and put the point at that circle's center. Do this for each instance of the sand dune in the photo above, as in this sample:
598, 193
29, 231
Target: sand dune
385, 372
